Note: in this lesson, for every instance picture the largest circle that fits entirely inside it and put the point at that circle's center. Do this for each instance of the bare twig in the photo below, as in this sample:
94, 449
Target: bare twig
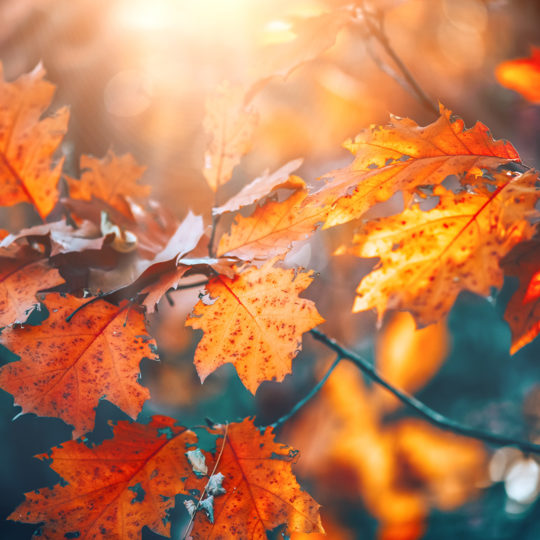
420, 407
375, 25
310, 395
215, 222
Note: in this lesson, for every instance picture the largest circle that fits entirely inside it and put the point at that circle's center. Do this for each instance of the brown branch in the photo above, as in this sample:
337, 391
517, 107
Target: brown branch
420, 407
375, 25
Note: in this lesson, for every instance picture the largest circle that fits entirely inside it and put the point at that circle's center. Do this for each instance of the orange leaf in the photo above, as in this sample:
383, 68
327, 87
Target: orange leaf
402, 156
67, 367
23, 273
522, 75
261, 491
27, 143
263, 185
408, 356
230, 124
110, 179
428, 258
264, 321
116, 488
272, 229
523, 309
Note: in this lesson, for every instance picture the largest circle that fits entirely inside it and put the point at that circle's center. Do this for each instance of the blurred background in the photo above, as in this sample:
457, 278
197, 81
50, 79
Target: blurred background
136, 75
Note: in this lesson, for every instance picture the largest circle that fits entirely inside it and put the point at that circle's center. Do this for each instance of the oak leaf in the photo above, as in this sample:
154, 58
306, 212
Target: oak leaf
403, 156
23, 273
264, 321
261, 491
272, 229
110, 179
27, 144
523, 310
428, 258
67, 366
262, 186
116, 488
230, 124
522, 75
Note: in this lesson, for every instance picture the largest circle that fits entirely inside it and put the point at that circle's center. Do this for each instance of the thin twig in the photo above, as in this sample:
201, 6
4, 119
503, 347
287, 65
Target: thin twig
215, 222
187, 529
311, 394
420, 407
377, 31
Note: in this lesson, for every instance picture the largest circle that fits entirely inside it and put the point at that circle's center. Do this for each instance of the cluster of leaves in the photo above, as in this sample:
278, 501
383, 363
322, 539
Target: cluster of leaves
104, 257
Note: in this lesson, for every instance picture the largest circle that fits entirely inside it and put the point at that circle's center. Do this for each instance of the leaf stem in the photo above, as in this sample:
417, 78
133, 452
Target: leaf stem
420, 407
310, 395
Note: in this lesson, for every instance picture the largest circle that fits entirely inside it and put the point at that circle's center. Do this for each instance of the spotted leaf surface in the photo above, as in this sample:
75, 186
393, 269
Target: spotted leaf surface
261, 491
27, 144
403, 156
255, 322
113, 489
22, 274
66, 367
428, 258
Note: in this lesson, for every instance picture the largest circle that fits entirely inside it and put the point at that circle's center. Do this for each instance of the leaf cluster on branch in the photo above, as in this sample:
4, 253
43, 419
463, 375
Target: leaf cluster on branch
105, 256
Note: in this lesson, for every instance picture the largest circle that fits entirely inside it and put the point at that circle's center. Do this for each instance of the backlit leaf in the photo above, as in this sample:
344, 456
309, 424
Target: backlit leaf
264, 320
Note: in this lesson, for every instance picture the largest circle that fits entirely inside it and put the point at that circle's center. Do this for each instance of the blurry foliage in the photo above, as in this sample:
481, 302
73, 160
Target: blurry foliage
137, 75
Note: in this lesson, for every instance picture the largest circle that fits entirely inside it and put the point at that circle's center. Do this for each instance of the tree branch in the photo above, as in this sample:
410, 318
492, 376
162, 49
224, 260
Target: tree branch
377, 31
310, 395
420, 407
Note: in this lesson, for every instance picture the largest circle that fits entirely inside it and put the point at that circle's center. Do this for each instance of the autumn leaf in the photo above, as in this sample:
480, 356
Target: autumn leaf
59, 237
522, 75
230, 124
67, 366
261, 491
403, 156
262, 186
116, 488
523, 310
272, 229
264, 321
23, 273
110, 179
27, 144
428, 258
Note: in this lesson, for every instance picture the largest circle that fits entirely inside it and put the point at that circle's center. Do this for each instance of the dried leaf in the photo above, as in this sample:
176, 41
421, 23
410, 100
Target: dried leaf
428, 258
230, 124
23, 273
114, 489
66, 367
110, 179
264, 185
261, 491
403, 156
523, 309
27, 144
265, 319
272, 229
